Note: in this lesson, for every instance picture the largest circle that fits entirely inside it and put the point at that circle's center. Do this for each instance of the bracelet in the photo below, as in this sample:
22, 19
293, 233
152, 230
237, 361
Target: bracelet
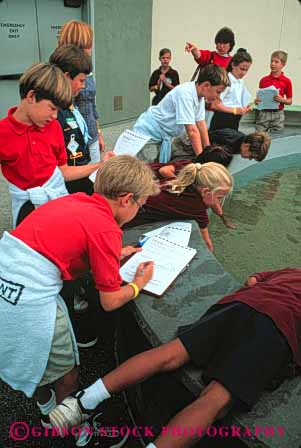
135, 289
234, 110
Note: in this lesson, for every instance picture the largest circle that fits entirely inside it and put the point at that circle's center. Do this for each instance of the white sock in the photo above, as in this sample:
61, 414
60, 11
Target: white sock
150, 445
94, 394
46, 408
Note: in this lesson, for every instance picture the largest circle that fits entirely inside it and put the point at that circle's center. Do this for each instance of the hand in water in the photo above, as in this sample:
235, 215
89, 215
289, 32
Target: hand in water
228, 223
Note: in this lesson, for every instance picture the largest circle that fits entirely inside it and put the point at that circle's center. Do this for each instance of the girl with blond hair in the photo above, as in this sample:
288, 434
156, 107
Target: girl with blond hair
194, 189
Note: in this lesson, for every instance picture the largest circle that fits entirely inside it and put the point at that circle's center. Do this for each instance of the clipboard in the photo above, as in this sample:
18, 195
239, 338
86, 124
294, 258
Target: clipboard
170, 258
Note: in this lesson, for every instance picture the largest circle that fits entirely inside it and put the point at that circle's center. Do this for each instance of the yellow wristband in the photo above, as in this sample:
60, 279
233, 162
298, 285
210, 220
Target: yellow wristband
234, 110
135, 289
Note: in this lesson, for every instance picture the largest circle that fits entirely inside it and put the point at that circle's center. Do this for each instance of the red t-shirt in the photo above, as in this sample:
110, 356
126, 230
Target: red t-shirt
77, 233
29, 154
282, 82
278, 295
212, 57
165, 206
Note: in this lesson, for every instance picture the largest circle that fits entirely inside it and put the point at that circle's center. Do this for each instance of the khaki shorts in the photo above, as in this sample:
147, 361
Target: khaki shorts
181, 149
269, 120
61, 357
150, 152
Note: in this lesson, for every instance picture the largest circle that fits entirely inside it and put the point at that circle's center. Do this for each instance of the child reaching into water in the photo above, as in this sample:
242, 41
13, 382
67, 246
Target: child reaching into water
234, 99
225, 143
194, 189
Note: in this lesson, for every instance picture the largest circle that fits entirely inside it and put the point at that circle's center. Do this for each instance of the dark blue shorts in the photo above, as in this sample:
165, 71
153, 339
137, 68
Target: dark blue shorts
240, 348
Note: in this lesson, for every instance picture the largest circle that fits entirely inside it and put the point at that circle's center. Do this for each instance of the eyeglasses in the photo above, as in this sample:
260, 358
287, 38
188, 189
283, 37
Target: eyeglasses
140, 206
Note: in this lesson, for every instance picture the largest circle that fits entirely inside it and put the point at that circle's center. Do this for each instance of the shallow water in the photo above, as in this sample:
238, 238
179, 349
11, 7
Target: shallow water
267, 213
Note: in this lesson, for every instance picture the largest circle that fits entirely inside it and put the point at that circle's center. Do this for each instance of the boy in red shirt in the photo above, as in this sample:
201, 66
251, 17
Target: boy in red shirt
32, 151
272, 119
225, 343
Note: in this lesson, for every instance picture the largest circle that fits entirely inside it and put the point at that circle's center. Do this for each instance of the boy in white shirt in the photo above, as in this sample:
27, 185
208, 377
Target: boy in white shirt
184, 109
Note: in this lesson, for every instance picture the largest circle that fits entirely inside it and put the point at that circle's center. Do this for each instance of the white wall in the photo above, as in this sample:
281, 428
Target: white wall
260, 26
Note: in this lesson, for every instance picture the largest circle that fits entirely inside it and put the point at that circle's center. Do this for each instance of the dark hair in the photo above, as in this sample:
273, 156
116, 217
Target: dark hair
71, 59
240, 56
164, 51
214, 74
225, 36
214, 153
259, 144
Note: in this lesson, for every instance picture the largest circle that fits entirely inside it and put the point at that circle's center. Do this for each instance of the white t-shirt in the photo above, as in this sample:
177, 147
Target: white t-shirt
179, 107
237, 95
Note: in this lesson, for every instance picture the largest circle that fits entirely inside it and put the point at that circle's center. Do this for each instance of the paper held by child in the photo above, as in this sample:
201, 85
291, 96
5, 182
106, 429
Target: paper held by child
170, 260
266, 97
130, 142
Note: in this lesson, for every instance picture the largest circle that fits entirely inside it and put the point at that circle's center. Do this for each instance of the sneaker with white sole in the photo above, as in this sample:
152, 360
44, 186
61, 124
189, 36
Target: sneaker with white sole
68, 413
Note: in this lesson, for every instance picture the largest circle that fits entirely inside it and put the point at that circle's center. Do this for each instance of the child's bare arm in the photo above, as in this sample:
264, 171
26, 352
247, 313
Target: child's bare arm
219, 106
251, 281
193, 49
195, 138
168, 171
203, 130
218, 210
206, 238
283, 100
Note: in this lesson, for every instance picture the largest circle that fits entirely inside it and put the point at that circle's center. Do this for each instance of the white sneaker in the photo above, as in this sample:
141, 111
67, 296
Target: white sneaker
67, 414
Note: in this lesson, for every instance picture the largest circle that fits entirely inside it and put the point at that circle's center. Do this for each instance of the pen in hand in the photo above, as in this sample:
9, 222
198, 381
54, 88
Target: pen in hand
144, 272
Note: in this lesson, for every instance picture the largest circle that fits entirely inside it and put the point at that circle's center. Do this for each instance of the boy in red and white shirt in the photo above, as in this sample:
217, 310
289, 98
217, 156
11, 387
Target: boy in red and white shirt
273, 119
32, 150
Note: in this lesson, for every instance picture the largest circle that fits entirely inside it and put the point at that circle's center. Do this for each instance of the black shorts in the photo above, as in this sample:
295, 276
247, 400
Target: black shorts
238, 347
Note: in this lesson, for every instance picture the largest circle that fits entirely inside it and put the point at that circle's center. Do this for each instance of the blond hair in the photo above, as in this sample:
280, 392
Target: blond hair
279, 54
125, 174
211, 175
48, 82
76, 33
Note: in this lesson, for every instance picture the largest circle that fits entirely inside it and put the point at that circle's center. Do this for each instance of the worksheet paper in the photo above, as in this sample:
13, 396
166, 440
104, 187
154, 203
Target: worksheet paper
170, 260
178, 232
130, 142
267, 98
